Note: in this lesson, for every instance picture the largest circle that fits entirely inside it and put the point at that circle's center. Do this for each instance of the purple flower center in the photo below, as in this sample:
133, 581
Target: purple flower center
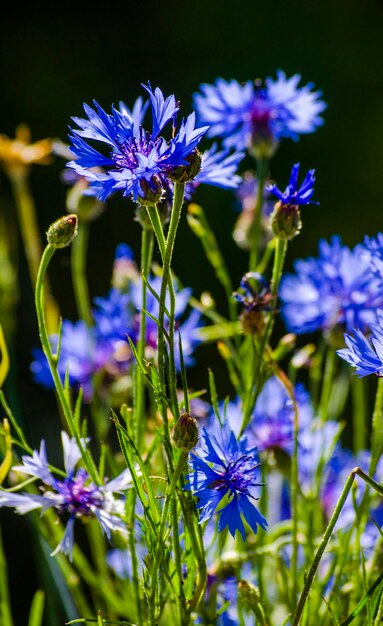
133, 146
79, 499
238, 476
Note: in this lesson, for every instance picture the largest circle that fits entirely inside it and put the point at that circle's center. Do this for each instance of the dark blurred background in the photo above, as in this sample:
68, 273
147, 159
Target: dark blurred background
51, 64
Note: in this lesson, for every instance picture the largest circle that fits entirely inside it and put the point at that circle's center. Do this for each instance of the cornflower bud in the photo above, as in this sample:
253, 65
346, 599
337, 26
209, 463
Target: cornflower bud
185, 434
186, 173
286, 220
62, 232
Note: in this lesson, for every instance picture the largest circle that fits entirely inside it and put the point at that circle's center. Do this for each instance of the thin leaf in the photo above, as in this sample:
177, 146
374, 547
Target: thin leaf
362, 603
4, 358
36, 614
214, 396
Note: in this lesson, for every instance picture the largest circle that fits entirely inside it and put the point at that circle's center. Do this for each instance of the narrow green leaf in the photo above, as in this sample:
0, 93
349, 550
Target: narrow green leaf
214, 396
362, 603
36, 613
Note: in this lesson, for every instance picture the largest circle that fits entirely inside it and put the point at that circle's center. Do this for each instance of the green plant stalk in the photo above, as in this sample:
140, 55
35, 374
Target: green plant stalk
178, 198
14, 423
327, 535
377, 428
294, 485
359, 408
256, 229
30, 234
139, 397
180, 596
327, 383
37, 609
160, 537
79, 276
135, 575
52, 362
279, 259
5, 603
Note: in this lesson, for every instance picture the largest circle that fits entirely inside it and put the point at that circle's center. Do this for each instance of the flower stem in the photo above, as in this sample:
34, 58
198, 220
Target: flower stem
146, 259
377, 428
327, 535
256, 229
52, 362
5, 604
327, 383
78, 261
359, 408
294, 483
160, 538
29, 228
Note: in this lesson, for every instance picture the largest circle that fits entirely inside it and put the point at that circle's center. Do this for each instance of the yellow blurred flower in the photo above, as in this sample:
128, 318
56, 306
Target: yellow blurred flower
16, 155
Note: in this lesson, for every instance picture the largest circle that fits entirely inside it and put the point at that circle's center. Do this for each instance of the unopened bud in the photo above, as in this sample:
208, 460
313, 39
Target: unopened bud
286, 220
248, 594
62, 232
252, 321
185, 434
151, 192
186, 173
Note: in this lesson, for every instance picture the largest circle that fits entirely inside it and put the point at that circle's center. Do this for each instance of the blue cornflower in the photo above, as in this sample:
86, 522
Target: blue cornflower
365, 356
374, 254
75, 495
335, 288
256, 115
293, 195
138, 162
225, 467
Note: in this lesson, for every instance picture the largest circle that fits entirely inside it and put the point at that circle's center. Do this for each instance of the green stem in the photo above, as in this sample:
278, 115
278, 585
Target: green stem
359, 408
327, 383
132, 545
256, 229
377, 428
256, 387
294, 484
160, 537
52, 362
5, 603
327, 535
30, 234
79, 278
166, 279
139, 409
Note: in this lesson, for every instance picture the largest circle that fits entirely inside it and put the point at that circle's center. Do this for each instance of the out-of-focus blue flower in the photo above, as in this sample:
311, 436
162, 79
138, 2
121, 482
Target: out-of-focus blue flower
294, 195
81, 355
219, 168
366, 356
255, 114
272, 421
137, 162
247, 193
104, 347
374, 254
226, 468
335, 288
75, 495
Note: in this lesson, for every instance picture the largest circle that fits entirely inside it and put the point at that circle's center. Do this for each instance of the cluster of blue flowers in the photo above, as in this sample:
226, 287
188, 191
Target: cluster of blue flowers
336, 289
267, 432
103, 349
142, 164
